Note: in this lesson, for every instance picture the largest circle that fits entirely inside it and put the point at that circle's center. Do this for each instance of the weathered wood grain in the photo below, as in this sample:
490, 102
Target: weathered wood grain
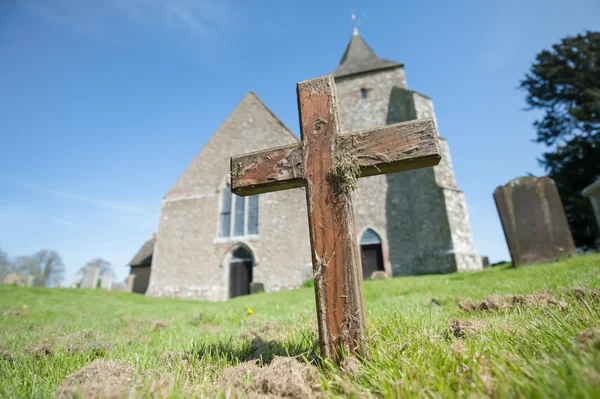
325, 162
336, 264
393, 148
270, 170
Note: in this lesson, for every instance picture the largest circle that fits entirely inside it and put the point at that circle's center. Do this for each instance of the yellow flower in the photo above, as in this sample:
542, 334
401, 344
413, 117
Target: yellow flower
250, 311
24, 306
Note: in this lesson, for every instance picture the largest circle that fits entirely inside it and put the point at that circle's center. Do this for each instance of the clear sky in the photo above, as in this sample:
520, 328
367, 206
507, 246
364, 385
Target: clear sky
103, 103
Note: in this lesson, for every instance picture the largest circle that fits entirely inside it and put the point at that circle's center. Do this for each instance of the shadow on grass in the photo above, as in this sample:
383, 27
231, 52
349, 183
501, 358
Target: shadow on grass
233, 350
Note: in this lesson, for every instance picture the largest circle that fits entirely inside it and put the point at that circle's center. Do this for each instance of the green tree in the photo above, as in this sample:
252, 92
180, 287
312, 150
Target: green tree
564, 83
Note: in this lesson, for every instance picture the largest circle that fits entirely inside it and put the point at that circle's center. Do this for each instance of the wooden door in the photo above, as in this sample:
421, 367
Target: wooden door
240, 277
371, 259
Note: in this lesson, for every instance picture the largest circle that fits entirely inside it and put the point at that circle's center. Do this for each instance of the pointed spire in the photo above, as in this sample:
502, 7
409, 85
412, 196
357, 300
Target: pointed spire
360, 58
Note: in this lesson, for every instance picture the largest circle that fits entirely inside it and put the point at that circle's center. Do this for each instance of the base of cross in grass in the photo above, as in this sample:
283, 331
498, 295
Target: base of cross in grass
328, 164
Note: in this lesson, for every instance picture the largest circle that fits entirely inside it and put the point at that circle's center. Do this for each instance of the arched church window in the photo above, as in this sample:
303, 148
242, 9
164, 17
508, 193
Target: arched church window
363, 93
239, 215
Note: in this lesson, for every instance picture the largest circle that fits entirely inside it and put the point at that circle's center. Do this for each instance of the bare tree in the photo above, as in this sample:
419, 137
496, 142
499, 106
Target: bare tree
104, 265
28, 266
6, 266
51, 267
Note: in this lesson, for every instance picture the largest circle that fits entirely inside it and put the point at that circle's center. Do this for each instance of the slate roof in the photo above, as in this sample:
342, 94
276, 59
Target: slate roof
360, 58
144, 255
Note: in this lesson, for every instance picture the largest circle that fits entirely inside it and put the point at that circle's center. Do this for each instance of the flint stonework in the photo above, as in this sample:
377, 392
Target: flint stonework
420, 215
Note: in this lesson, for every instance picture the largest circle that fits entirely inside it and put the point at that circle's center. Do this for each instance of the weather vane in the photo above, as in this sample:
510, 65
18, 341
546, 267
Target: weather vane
354, 22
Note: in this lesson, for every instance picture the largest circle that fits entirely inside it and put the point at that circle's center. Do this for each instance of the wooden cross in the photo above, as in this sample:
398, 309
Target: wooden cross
328, 165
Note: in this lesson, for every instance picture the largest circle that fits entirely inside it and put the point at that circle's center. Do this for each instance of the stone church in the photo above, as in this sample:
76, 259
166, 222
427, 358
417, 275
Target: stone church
212, 244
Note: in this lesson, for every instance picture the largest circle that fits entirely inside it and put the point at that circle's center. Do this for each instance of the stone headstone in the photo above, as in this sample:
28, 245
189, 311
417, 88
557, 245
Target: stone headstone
379, 275
90, 277
534, 221
593, 193
106, 282
11, 278
130, 281
27, 281
485, 261
255, 288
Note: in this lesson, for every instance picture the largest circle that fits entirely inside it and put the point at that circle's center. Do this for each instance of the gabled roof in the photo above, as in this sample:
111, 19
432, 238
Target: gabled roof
360, 58
144, 255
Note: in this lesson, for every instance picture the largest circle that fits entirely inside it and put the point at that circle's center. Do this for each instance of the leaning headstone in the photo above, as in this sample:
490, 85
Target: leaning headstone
90, 277
130, 281
11, 278
593, 193
534, 221
106, 282
255, 288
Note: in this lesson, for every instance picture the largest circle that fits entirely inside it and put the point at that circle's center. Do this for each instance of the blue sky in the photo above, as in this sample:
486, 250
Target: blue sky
105, 102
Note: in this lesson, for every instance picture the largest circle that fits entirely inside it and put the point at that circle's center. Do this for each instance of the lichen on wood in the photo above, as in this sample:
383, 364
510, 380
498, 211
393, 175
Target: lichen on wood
344, 174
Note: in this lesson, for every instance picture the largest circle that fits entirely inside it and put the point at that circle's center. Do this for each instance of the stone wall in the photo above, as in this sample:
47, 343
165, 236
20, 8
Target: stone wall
190, 260
357, 113
420, 214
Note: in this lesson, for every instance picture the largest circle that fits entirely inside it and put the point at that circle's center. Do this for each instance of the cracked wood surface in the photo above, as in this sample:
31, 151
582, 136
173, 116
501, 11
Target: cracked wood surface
392, 148
336, 263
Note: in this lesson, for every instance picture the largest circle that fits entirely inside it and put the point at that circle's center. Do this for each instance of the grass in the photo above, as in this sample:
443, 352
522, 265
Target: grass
422, 344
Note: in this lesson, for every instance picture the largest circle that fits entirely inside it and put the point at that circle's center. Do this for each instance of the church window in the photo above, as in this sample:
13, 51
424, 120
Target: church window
239, 215
238, 221
253, 214
363, 93
225, 228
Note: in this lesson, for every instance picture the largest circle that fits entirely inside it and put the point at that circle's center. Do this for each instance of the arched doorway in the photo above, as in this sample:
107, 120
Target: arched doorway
371, 253
240, 272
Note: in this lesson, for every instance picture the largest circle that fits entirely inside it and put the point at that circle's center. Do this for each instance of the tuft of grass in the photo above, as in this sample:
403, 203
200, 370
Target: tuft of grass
524, 332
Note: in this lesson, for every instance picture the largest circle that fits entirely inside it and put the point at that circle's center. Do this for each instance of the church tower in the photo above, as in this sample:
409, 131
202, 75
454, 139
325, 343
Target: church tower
420, 215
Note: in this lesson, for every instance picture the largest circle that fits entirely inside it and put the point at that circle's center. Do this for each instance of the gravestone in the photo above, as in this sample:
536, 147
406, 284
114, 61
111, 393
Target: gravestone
593, 193
328, 164
90, 277
106, 282
485, 261
379, 275
27, 281
256, 288
130, 280
533, 220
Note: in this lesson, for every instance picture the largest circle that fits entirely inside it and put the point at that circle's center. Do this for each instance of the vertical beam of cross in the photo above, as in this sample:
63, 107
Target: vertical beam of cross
328, 165
336, 264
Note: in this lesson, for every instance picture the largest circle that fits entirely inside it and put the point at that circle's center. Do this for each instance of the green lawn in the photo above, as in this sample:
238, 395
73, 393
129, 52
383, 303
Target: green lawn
422, 343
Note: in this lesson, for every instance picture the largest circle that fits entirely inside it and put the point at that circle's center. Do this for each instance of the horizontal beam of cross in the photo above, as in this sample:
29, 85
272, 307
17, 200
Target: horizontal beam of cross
392, 148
